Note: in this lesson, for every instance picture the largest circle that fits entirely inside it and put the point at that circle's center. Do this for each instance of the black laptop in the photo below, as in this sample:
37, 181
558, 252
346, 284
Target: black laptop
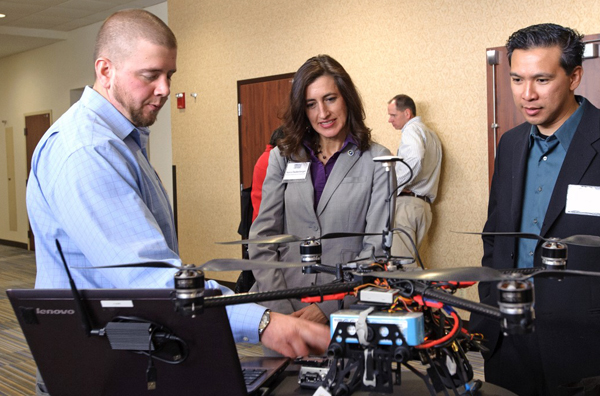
190, 356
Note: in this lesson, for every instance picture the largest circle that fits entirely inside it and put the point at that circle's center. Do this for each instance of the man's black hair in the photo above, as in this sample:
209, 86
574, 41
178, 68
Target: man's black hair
549, 35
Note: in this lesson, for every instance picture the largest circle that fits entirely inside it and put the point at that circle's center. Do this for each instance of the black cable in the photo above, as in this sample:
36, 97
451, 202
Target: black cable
158, 333
184, 346
151, 374
454, 337
460, 353
415, 250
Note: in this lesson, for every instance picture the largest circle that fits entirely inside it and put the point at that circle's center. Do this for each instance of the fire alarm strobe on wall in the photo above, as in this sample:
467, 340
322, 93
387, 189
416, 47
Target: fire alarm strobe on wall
180, 100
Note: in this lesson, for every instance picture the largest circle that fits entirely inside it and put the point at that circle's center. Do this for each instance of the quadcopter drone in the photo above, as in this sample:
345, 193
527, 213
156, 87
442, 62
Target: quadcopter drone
403, 314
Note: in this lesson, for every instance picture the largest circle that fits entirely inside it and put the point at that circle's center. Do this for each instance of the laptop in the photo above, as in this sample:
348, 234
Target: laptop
72, 362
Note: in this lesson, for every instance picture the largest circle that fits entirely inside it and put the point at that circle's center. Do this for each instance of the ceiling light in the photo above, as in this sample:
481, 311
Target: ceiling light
2, 15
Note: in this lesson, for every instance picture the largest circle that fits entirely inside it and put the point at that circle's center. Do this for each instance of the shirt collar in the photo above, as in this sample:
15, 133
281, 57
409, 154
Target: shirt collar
564, 134
118, 123
412, 120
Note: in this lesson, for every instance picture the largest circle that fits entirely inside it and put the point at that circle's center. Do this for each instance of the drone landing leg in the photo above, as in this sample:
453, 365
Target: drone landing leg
343, 377
435, 376
424, 377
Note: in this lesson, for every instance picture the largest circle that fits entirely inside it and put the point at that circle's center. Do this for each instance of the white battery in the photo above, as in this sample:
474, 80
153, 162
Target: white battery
375, 294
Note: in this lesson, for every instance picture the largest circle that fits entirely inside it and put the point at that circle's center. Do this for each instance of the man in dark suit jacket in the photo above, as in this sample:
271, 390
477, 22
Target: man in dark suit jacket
539, 166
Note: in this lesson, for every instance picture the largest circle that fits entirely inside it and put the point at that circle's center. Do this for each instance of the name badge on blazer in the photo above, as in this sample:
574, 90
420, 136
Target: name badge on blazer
296, 171
583, 200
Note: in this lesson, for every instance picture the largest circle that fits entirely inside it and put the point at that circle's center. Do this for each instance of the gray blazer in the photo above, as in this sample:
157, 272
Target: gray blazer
354, 200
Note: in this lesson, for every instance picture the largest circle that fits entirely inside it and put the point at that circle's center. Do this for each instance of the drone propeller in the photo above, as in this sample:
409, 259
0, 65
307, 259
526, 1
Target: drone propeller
241, 265
578, 240
477, 274
147, 264
211, 265
457, 274
287, 238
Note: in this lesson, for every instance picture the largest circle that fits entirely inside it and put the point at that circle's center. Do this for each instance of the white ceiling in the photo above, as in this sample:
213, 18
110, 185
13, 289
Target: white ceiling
32, 24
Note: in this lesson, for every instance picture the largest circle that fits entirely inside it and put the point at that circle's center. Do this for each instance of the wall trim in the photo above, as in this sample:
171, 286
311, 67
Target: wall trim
13, 244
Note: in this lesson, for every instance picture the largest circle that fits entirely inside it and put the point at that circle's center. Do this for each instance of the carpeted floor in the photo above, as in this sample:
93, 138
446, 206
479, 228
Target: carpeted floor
17, 368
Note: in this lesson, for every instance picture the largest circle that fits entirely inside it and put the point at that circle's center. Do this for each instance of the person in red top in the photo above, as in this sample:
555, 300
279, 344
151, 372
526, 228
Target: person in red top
260, 172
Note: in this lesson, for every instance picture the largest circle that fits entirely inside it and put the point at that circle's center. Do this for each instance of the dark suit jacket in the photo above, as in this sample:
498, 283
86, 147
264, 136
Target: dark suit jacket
567, 320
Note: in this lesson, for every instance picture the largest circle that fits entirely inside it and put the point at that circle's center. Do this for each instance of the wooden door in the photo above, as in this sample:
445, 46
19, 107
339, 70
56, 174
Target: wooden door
507, 115
261, 105
35, 127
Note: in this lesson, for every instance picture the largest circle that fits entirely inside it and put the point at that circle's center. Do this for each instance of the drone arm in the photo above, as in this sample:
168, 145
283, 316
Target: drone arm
243, 298
449, 299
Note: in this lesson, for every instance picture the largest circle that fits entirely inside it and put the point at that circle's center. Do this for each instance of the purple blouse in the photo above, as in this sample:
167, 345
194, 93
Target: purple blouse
319, 172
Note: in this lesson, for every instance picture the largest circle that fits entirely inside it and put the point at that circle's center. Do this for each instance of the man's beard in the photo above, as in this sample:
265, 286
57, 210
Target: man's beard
136, 115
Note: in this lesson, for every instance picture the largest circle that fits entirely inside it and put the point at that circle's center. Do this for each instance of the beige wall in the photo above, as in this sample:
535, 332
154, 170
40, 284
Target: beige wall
432, 50
40, 80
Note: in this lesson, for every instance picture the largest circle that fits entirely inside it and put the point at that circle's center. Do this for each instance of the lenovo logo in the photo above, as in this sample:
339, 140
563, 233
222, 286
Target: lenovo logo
55, 311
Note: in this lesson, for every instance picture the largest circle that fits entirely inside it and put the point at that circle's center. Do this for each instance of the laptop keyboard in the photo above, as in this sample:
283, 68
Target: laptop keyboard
251, 375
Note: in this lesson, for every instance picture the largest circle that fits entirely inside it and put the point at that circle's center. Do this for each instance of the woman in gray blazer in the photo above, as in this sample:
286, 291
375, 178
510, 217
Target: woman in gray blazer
331, 185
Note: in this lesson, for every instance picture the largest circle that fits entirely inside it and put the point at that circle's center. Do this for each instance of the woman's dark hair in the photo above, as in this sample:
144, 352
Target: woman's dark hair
296, 124
549, 35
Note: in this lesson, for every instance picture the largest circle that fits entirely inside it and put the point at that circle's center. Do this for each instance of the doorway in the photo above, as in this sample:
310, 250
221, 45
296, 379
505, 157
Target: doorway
35, 127
261, 104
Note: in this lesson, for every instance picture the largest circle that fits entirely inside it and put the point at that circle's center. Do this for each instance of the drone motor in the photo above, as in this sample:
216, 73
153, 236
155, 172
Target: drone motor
189, 290
554, 254
516, 306
310, 251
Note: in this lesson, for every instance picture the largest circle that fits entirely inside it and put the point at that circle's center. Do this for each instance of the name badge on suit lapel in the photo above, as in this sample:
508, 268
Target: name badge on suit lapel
583, 200
296, 171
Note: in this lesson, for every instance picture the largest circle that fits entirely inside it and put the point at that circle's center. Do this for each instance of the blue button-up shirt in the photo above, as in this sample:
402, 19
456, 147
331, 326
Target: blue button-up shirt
92, 188
546, 156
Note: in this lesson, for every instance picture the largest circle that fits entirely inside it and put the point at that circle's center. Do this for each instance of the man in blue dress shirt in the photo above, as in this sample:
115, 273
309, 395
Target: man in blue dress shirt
92, 188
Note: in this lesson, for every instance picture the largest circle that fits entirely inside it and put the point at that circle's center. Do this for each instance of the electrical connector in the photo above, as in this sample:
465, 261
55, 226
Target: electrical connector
151, 377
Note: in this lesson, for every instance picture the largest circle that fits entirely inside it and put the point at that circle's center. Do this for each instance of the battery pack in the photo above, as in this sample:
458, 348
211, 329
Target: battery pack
378, 295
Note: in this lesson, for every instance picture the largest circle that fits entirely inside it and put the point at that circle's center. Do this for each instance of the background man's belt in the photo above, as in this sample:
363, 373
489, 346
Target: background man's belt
412, 194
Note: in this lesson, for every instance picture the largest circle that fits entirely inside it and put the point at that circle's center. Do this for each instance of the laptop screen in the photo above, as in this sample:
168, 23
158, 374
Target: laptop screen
74, 363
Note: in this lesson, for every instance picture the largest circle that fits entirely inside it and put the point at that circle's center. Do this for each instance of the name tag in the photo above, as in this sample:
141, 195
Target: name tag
583, 200
296, 171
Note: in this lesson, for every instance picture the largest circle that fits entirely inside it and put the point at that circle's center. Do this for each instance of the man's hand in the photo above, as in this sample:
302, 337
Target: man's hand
311, 312
295, 337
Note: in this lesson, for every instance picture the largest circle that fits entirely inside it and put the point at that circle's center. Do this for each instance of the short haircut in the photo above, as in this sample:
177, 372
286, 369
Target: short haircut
404, 102
123, 29
549, 35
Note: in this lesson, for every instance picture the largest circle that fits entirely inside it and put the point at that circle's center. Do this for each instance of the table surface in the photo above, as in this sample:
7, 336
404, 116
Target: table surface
411, 385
